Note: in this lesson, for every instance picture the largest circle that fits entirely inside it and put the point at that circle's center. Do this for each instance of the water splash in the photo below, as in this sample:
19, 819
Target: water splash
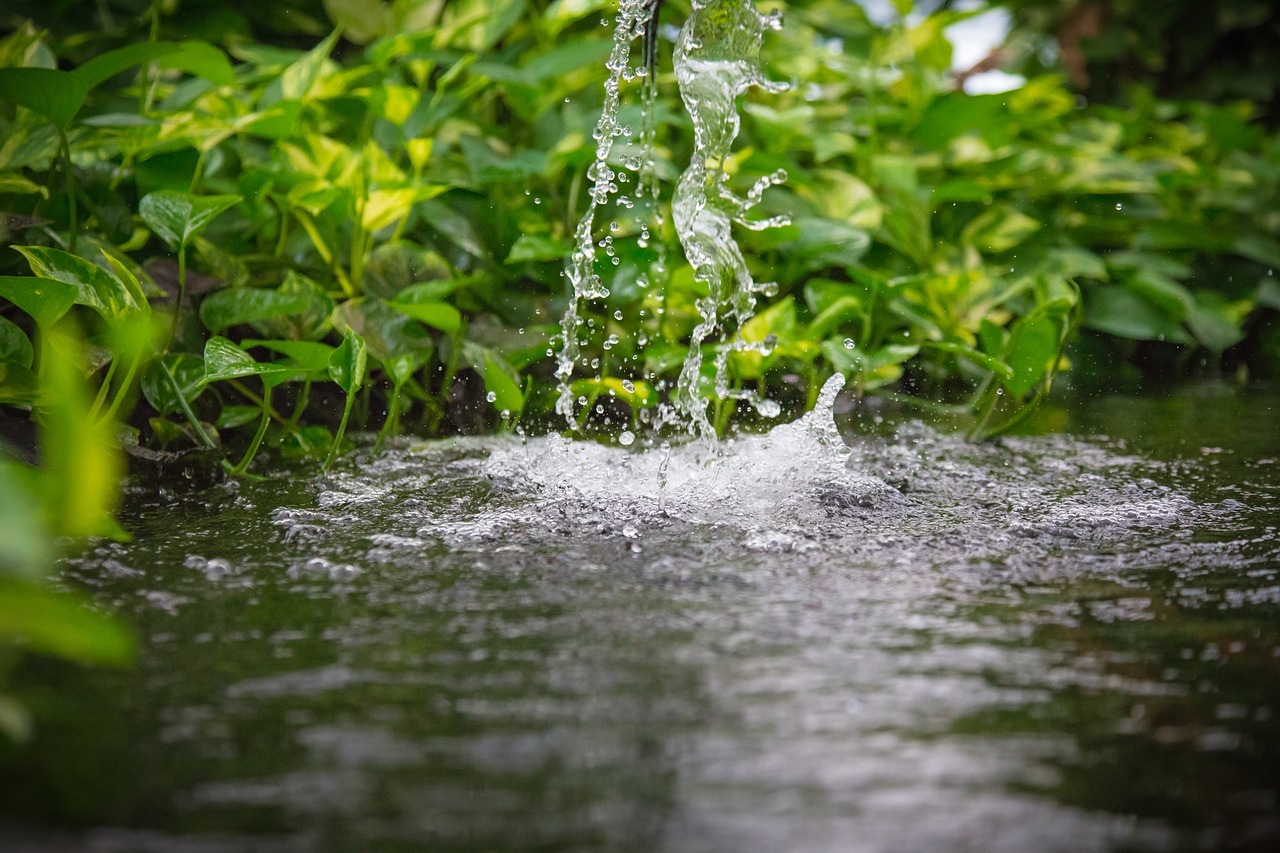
717, 58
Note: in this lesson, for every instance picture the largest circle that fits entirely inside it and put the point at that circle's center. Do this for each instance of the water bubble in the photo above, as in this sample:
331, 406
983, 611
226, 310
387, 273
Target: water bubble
626, 437
617, 315
492, 396
1119, 206
628, 386
217, 568
344, 572
849, 343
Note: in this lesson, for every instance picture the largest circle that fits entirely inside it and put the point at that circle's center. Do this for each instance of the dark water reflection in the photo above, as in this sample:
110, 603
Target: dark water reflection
1048, 644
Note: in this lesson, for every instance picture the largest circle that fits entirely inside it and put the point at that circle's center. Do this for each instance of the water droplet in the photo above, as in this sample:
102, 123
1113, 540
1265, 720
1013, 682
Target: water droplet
628, 386
492, 397
626, 437
849, 343
1119, 206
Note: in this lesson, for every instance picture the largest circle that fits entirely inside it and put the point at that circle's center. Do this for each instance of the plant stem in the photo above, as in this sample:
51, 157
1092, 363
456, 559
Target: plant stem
186, 408
182, 295
103, 390
257, 436
342, 428
125, 384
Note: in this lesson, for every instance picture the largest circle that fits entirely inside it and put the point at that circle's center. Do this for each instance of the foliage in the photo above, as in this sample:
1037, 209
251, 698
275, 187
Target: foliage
1216, 52
71, 494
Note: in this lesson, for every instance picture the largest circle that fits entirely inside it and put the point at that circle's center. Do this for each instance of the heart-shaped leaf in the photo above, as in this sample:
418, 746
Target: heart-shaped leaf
45, 299
225, 360
233, 306
347, 364
94, 286
177, 217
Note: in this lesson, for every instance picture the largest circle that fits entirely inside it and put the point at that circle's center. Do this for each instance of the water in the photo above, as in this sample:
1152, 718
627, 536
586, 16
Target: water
717, 58
787, 644
584, 281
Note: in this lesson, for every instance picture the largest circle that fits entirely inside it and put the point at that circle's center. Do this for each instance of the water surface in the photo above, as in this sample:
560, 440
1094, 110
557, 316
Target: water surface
1045, 643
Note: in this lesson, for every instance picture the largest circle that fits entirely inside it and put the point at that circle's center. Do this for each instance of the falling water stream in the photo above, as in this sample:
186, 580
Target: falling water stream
717, 58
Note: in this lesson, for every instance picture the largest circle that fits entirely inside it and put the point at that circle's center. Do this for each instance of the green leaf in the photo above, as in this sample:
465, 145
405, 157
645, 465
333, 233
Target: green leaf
636, 393
225, 360
1258, 248
201, 59
61, 624
401, 368
386, 332
15, 346
56, 95
538, 247
300, 78
347, 363
107, 65
82, 463
312, 356
176, 217
1213, 323
386, 207
1118, 312
18, 385
94, 286
562, 59
999, 229
438, 315
499, 381
233, 306
1037, 341
187, 369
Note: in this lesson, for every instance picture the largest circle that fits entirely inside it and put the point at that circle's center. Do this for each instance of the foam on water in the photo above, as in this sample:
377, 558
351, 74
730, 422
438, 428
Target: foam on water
922, 495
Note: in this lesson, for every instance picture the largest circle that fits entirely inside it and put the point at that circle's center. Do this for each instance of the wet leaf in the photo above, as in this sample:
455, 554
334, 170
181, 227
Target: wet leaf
56, 95
177, 217
500, 381
438, 315
94, 286
225, 360
234, 306
347, 363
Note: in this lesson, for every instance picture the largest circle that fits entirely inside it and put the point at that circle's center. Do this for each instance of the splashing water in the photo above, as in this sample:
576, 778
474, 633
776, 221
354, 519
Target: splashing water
717, 58
633, 19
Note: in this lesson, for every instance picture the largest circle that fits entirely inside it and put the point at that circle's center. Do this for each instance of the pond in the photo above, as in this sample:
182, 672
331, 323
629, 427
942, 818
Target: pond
1043, 643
